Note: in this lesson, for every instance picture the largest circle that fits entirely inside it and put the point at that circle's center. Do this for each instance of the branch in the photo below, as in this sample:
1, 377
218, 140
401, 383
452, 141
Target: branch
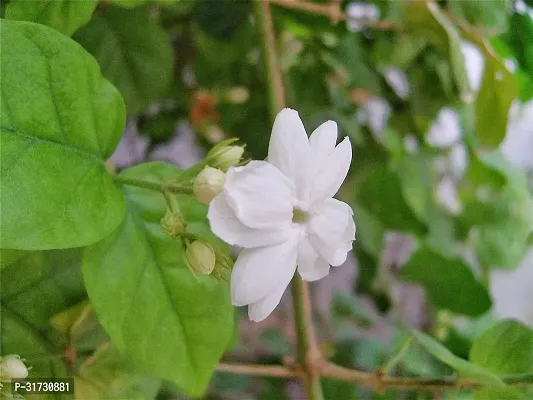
259, 370
309, 354
333, 11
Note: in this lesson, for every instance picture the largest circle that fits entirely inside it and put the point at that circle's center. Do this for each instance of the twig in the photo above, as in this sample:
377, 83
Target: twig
259, 370
333, 12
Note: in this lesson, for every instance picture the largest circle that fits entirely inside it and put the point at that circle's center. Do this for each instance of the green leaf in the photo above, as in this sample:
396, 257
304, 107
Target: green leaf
66, 16
156, 312
508, 393
380, 193
498, 205
490, 17
134, 53
449, 282
465, 369
60, 121
497, 91
425, 19
107, 375
521, 40
35, 287
505, 348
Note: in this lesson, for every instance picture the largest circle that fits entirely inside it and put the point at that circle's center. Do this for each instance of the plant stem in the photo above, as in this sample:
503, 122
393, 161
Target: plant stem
258, 370
155, 186
276, 90
309, 355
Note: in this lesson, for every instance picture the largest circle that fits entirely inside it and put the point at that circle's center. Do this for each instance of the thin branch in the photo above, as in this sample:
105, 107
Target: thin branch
309, 355
276, 90
333, 11
259, 370
380, 382
155, 186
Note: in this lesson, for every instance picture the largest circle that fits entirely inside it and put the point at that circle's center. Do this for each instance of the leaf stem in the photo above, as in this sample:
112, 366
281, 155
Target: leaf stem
155, 186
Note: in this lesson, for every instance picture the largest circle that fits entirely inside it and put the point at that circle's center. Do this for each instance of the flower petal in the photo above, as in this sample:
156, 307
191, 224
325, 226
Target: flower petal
331, 229
260, 195
261, 309
261, 271
311, 266
225, 224
332, 172
323, 141
289, 149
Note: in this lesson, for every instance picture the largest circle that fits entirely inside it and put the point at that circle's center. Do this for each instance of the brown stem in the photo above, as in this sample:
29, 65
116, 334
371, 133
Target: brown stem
333, 12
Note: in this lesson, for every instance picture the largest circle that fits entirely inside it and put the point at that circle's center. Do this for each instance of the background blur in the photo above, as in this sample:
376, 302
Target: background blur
436, 99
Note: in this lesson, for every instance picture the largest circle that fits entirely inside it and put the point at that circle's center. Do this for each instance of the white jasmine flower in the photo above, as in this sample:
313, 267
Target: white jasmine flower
282, 213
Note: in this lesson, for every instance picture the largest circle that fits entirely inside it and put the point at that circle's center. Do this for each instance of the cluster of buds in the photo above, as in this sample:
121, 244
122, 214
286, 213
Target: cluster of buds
204, 259
12, 367
173, 223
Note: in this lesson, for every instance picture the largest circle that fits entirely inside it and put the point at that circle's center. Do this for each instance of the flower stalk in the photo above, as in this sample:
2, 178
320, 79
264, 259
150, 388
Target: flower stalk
308, 351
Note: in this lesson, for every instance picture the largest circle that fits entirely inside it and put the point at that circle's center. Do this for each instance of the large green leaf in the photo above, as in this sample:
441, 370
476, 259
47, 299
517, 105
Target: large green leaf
505, 348
449, 282
155, 311
35, 287
60, 120
465, 369
67, 16
133, 51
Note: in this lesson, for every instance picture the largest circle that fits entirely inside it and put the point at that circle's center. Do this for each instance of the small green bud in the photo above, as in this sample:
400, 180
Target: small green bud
224, 155
200, 257
208, 183
12, 367
173, 224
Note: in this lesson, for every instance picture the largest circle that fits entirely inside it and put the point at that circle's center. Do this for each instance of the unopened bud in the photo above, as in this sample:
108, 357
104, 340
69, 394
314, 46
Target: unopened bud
12, 367
224, 155
173, 224
208, 183
200, 257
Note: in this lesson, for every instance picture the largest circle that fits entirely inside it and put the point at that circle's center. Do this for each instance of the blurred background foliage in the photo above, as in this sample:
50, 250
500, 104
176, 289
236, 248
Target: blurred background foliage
428, 93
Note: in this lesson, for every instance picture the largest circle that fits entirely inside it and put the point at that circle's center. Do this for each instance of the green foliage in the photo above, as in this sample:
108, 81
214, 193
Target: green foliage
159, 315
497, 92
498, 204
35, 287
54, 146
138, 61
449, 282
107, 375
424, 19
67, 16
464, 368
489, 16
381, 194
505, 348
